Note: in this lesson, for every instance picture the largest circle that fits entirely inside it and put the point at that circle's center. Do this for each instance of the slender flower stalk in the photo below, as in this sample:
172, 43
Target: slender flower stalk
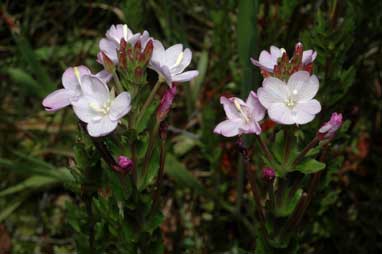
149, 100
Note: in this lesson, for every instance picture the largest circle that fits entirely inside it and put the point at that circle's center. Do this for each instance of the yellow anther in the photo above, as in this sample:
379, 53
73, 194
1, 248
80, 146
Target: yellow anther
179, 59
125, 32
77, 74
238, 107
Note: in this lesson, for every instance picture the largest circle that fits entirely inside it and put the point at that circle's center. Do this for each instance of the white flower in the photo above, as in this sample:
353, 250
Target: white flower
170, 63
99, 108
111, 44
291, 103
71, 91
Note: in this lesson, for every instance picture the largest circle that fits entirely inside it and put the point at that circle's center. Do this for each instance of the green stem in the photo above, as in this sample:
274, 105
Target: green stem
117, 82
265, 149
149, 99
150, 148
162, 161
307, 148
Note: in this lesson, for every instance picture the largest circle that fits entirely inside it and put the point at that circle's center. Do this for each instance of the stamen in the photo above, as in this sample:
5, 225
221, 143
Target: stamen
77, 74
179, 59
238, 107
125, 32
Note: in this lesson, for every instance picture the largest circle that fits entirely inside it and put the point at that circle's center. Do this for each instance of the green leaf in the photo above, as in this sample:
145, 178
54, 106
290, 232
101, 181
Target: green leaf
288, 204
310, 166
34, 182
11, 206
177, 171
247, 33
153, 222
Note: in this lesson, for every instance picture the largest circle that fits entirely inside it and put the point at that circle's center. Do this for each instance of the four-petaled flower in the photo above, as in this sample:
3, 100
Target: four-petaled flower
242, 117
99, 108
290, 103
111, 44
71, 91
170, 63
328, 130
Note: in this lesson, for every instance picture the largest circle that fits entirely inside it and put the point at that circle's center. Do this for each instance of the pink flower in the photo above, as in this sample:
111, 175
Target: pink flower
292, 102
165, 103
111, 44
242, 117
170, 63
71, 81
99, 108
328, 130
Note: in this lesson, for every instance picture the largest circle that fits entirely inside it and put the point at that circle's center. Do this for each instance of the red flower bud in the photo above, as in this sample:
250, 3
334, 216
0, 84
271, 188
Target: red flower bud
148, 51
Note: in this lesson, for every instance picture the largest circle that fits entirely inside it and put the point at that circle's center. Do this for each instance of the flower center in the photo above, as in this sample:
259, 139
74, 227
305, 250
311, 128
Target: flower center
240, 110
102, 109
290, 102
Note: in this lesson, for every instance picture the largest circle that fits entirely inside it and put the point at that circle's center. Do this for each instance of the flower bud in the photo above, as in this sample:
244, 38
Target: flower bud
137, 49
298, 52
125, 163
329, 129
122, 58
148, 51
165, 103
269, 174
107, 63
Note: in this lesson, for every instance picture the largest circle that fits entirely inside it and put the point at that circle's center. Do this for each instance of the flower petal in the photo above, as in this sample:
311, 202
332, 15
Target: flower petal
102, 127
257, 110
273, 91
253, 127
120, 106
185, 76
71, 78
104, 75
311, 107
172, 54
229, 108
308, 56
109, 47
184, 63
158, 52
303, 86
280, 113
228, 128
83, 110
266, 61
95, 88
57, 100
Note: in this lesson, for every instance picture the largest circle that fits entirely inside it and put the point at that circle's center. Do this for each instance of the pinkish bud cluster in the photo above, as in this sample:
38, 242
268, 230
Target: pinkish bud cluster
277, 63
134, 59
165, 103
329, 129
